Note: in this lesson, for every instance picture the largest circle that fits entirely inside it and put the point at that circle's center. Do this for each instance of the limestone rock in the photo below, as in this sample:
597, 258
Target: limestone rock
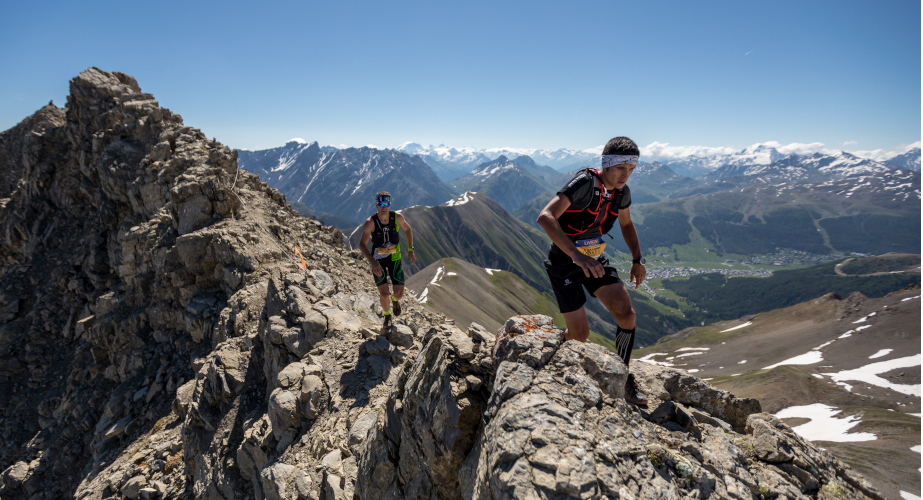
400, 335
323, 282
290, 376
313, 392
284, 411
679, 386
378, 346
557, 426
132, 488
279, 481
360, 429
314, 327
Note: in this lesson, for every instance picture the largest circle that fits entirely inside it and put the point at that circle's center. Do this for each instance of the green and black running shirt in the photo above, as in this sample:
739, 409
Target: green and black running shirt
386, 239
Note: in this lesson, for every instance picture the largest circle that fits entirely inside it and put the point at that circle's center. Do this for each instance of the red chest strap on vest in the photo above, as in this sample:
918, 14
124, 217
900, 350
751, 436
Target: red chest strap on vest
594, 214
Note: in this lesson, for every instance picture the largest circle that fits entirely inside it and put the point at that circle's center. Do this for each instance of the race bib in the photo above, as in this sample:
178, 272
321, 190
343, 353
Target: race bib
385, 251
592, 247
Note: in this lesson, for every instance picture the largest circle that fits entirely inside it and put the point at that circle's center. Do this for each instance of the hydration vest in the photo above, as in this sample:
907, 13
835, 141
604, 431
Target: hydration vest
386, 236
597, 218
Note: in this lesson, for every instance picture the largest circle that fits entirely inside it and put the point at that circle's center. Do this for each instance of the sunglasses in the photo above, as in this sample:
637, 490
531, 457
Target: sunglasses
384, 203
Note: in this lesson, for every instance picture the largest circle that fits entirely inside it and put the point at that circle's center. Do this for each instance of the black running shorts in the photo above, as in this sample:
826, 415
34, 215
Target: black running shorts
390, 268
568, 281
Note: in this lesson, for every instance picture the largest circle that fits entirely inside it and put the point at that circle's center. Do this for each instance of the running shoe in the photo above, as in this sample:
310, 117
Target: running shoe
396, 307
631, 392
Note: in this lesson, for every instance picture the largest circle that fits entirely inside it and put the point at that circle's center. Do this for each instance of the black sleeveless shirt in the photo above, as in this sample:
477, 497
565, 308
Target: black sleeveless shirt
386, 235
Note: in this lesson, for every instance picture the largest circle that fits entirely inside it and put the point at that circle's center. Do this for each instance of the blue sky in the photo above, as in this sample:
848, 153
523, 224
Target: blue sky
544, 75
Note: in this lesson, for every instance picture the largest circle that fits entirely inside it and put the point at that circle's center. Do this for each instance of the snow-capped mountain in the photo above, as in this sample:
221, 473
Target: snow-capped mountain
761, 155
907, 161
504, 181
652, 182
343, 182
449, 162
692, 166
816, 168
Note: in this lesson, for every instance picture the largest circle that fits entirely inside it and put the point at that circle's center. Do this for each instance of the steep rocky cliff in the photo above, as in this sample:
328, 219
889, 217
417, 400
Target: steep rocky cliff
160, 337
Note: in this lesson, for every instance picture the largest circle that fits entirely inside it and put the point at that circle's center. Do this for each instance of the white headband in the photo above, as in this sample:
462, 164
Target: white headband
609, 160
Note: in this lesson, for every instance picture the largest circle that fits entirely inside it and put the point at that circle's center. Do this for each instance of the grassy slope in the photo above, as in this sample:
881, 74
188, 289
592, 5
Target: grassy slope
783, 333
481, 232
473, 295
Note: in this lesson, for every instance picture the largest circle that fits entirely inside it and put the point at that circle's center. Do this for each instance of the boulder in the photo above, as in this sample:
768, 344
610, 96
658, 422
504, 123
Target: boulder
361, 427
279, 481
378, 346
400, 335
323, 282
284, 411
132, 488
312, 397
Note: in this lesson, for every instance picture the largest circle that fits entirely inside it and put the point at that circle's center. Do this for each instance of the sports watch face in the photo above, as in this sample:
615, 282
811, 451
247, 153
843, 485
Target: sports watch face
642, 260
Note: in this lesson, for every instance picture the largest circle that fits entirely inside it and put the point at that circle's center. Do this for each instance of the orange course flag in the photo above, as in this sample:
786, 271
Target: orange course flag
303, 265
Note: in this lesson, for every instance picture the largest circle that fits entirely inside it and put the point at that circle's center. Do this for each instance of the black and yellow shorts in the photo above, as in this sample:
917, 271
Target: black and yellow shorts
390, 268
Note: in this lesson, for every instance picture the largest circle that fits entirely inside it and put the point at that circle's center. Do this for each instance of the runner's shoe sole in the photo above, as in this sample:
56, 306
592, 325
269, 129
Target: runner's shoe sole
636, 399
631, 392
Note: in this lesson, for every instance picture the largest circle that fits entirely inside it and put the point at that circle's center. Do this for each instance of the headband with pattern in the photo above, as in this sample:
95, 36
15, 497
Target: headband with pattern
610, 160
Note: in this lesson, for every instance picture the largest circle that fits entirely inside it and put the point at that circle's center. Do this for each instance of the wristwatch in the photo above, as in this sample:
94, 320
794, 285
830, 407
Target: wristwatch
640, 260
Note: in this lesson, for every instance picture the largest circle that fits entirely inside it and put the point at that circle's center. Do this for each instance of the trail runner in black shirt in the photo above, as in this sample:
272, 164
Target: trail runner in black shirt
576, 219
383, 229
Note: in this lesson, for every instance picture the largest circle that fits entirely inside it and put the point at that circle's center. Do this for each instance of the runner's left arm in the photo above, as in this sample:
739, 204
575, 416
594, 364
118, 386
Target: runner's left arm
638, 272
401, 221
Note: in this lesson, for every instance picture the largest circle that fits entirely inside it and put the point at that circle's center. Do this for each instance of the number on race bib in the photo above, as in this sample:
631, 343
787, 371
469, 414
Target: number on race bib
385, 251
592, 247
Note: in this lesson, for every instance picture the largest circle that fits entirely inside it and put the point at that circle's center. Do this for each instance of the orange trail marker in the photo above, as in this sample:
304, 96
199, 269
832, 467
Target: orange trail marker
303, 265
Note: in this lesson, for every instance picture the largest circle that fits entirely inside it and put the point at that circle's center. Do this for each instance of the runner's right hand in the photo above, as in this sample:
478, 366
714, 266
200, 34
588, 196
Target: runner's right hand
376, 269
591, 267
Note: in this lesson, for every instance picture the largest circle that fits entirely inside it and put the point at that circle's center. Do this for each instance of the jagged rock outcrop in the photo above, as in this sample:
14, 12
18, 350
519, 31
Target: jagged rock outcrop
552, 423
158, 336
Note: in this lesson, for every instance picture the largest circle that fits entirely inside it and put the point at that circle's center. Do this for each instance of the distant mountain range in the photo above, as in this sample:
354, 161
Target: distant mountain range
692, 166
816, 168
449, 162
907, 161
343, 182
875, 213
753, 157
749, 202
505, 181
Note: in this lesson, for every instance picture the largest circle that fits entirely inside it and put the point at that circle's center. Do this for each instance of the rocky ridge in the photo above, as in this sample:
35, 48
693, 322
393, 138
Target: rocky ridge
160, 338
551, 422
159, 335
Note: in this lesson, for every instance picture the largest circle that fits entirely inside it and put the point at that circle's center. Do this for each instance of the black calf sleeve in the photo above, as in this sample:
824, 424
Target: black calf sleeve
625, 342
